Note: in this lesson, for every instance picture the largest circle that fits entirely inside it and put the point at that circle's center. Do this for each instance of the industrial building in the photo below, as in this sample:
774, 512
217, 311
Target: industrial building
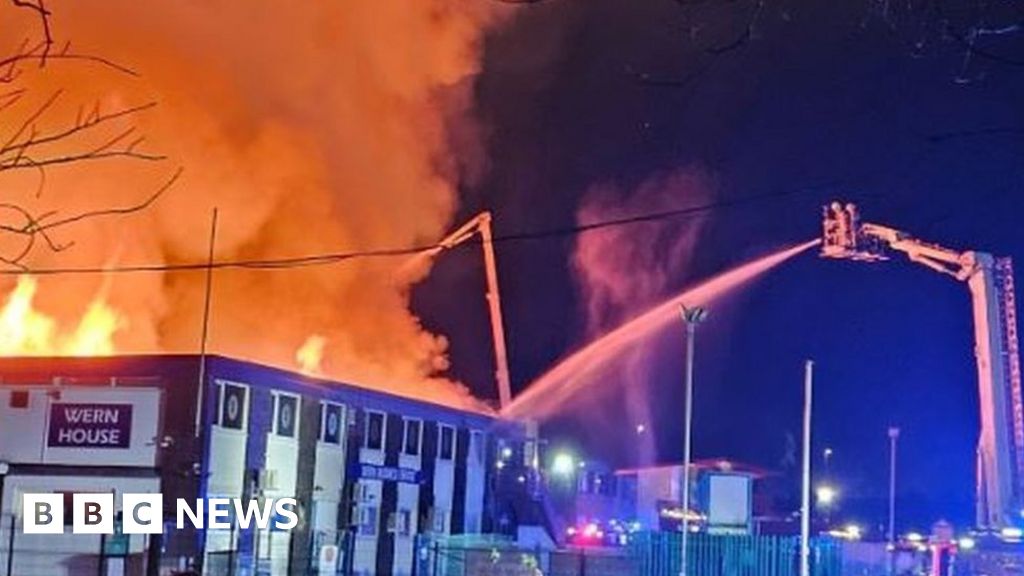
370, 470
727, 497
723, 495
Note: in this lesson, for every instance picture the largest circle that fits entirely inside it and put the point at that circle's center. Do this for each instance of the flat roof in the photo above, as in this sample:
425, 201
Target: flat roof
135, 369
706, 464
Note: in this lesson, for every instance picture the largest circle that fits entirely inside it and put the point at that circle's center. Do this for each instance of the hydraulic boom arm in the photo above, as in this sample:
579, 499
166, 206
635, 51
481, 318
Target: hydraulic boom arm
481, 224
990, 280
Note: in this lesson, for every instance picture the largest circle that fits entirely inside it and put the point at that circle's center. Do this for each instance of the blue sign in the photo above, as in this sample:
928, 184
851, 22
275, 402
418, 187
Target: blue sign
386, 473
89, 425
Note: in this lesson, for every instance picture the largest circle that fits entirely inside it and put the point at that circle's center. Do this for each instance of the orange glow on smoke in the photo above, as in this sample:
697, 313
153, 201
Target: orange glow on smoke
26, 331
305, 126
311, 354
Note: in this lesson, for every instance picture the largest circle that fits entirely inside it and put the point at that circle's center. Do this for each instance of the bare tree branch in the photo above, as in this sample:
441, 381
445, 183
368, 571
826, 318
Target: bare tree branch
30, 140
80, 125
117, 211
44, 19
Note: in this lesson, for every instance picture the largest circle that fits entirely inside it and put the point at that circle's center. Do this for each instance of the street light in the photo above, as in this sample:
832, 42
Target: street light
691, 318
826, 495
894, 434
563, 464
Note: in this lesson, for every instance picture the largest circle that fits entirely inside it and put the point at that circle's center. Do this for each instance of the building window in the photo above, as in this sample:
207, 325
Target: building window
477, 446
232, 406
374, 438
368, 520
439, 521
286, 414
447, 443
367, 511
413, 437
401, 524
332, 422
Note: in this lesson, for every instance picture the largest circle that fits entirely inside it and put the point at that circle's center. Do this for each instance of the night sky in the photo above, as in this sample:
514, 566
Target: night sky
822, 101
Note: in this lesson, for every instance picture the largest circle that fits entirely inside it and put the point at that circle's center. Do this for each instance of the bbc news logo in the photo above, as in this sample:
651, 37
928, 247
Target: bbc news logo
144, 513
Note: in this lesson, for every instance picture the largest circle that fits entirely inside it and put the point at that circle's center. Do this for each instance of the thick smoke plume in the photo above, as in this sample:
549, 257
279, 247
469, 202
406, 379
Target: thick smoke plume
622, 271
313, 127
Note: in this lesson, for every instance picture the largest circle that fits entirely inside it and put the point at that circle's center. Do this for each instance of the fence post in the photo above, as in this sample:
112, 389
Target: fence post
100, 565
10, 545
350, 546
154, 553
437, 558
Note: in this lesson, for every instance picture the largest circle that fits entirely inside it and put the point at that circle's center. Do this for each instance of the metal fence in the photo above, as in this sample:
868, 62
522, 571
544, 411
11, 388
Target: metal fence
80, 554
658, 554
648, 554
502, 557
269, 554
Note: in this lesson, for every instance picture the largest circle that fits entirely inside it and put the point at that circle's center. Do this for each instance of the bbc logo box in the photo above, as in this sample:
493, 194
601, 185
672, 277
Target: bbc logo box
94, 513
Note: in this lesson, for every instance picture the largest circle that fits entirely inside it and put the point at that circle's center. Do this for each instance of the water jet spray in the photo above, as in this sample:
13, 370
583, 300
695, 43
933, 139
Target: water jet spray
574, 374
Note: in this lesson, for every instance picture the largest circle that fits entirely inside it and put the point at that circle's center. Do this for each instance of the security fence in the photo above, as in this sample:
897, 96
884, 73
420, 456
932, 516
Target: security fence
658, 554
87, 554
647, 554
267, 553
330, 554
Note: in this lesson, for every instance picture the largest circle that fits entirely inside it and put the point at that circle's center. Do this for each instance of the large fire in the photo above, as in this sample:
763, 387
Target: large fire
25, 331
313, 127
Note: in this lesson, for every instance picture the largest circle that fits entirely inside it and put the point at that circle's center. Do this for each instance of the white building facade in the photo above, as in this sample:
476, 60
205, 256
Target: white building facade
370, 471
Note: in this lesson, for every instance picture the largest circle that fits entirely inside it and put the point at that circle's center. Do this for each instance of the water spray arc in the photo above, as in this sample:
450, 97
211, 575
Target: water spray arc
545, 395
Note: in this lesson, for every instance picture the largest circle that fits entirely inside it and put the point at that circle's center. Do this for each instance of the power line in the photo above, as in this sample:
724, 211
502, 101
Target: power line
328, 258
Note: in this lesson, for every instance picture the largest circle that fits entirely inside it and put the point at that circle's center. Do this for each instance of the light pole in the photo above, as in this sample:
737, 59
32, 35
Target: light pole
894, 434
691, 317
5, 468
805, 489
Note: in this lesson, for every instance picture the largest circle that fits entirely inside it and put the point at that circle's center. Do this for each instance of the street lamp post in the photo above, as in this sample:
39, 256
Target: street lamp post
805, 489
4, 470
894, 434
691, 317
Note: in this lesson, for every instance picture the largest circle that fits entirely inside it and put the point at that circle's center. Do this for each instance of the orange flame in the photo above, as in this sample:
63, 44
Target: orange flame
25, 331
310, 354
283, 150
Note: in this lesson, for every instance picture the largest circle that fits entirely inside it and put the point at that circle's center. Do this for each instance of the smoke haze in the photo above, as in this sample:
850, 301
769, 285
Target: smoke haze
622, 271
311, 126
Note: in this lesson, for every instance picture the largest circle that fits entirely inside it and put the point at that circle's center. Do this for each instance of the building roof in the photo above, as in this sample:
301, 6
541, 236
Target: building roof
705, 465
136, 369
